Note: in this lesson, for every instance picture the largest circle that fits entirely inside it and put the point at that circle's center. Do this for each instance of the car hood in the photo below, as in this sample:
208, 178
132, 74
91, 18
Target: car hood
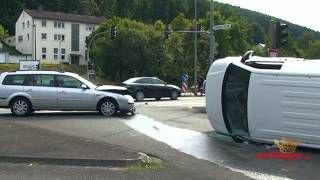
113, 89
110, 87
173, 86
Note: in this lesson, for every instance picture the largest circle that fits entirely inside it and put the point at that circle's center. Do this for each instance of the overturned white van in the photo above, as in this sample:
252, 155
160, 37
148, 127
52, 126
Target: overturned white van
265, 99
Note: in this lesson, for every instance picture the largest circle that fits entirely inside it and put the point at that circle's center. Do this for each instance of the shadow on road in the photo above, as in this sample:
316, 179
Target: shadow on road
61, 115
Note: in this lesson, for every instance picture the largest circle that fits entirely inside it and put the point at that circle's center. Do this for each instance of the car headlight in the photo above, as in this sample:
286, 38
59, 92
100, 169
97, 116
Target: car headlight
129, 98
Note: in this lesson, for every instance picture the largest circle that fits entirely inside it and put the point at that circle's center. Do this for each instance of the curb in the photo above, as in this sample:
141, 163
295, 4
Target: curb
70, 161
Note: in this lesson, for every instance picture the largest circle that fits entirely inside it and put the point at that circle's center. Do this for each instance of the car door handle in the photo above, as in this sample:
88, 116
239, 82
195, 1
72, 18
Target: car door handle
29, 90
62, 92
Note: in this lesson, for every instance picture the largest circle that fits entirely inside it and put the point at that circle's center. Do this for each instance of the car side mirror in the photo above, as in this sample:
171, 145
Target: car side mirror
84, 87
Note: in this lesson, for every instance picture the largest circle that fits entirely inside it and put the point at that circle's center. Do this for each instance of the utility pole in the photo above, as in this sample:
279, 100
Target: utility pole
212, 40
195, 41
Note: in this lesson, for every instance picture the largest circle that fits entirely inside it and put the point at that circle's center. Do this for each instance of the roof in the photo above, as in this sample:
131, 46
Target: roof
9, 49
39, 14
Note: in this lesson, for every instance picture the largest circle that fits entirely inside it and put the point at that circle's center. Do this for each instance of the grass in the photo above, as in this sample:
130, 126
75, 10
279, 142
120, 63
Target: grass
152, 163
145, 166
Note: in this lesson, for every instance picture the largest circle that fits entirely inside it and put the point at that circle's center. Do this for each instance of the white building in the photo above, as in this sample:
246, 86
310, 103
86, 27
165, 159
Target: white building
52, 37
9, 55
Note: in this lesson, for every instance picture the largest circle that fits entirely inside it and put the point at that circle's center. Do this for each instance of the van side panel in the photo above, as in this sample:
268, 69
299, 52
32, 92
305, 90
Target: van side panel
284, 106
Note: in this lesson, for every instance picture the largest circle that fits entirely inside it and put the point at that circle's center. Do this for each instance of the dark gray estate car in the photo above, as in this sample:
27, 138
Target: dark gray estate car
151, 87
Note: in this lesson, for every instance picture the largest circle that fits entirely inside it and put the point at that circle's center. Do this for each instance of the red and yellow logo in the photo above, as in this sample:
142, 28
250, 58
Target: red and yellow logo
286, 151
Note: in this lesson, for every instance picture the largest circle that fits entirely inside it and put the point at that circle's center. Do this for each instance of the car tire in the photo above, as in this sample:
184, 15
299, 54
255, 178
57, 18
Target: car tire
20, 106
108, 107
139, 96
174, 95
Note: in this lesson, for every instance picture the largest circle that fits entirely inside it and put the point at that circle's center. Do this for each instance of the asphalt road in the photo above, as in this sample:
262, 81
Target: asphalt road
181, 136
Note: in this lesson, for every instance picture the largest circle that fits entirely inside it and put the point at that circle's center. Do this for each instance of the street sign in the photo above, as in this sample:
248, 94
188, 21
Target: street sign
29, 65
223, 26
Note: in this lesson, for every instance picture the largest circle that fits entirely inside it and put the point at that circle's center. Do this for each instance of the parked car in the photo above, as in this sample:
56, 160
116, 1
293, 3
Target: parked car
27, 91
265, 99
151, 87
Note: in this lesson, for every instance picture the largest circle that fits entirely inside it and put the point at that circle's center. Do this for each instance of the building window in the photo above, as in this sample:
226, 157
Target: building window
44, 53
59, 24
20, 38
44, 36
90, 27
44, 23
23, 24
75, 37
28, 24
63, 54
55, 53
59, 37
28, 36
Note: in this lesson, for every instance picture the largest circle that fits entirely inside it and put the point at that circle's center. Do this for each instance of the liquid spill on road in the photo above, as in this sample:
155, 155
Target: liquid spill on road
190, 142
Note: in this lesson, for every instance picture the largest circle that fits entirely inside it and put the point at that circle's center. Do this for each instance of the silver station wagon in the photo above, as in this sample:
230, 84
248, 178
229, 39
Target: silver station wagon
27, 91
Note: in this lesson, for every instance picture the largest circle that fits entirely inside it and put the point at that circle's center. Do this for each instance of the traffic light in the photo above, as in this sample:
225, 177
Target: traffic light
37, 67
167, 32
198, 30
113, 32
281, 37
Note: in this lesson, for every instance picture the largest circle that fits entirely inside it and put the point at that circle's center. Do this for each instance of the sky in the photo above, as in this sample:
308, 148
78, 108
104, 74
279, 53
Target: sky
304, 13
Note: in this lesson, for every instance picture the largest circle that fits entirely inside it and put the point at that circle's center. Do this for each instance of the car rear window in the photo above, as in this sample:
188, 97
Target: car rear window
16, 80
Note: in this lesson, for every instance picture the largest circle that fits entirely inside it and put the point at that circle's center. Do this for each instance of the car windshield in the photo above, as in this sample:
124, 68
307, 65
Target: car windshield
86, 82
131, 80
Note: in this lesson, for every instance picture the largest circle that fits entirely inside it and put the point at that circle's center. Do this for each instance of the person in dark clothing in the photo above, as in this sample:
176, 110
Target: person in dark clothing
199, 86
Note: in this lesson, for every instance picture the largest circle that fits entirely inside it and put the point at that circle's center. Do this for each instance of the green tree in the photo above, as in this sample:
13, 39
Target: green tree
3, 33
138, 50
314, 50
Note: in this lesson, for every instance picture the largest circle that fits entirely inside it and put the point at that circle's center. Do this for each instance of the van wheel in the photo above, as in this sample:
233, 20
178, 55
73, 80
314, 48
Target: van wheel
107, 107
20, 106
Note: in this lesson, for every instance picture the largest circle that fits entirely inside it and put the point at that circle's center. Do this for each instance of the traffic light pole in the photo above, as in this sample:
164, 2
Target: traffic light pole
195, 41
88, 49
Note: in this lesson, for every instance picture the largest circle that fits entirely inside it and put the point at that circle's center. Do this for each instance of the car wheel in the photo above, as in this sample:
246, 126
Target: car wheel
20, 106
139, 96
174, 95
108, 107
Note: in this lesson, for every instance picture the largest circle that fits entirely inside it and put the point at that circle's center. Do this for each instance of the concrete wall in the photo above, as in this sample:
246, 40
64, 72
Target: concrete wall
5, 58
26, 45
